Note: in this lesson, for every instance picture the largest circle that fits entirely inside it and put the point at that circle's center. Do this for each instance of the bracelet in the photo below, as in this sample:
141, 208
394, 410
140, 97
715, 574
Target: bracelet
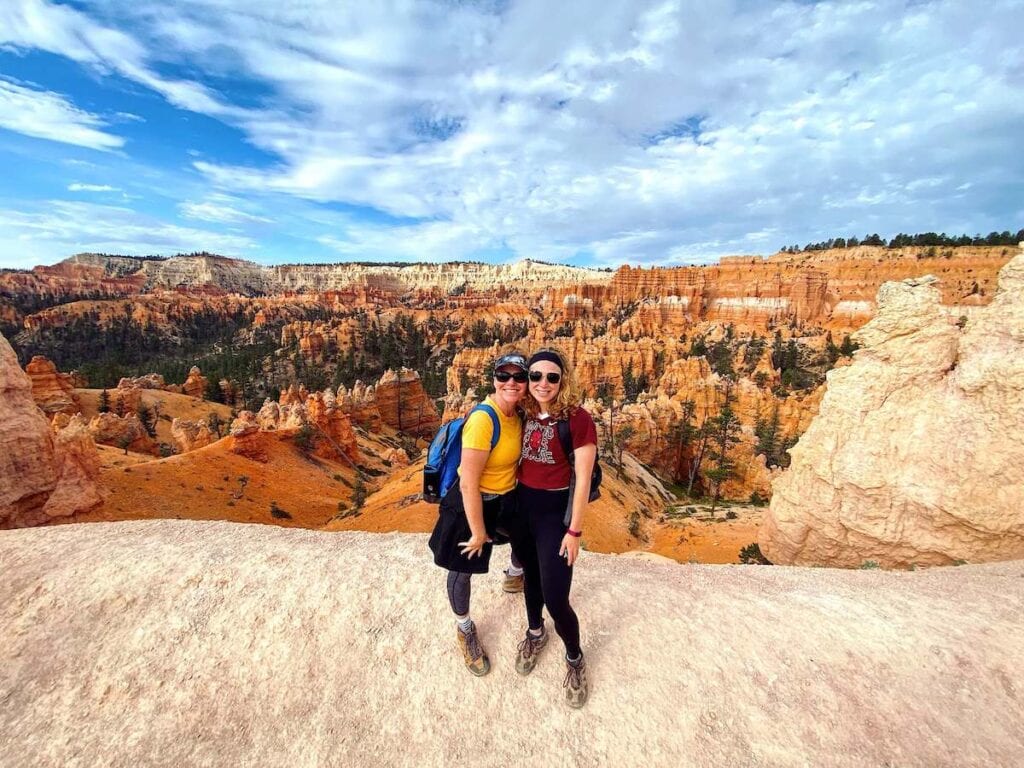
577, 534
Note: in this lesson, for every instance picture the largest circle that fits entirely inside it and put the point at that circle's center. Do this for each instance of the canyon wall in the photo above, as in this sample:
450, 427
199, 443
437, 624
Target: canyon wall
916, 456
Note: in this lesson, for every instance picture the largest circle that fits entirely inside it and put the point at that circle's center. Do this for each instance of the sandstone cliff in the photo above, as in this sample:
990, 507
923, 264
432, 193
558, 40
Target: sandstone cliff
248, 278
184, 643
916, 455
42, 477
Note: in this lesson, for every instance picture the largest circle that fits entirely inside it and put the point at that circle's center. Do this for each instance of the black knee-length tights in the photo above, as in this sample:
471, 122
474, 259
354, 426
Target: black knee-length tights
547, 575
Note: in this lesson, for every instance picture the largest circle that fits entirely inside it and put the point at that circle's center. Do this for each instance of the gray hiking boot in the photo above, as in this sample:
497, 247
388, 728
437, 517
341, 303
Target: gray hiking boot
576, 688
529, 651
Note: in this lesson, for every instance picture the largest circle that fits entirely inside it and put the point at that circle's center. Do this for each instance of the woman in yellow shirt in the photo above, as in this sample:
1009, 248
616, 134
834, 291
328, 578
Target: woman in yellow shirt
468, 521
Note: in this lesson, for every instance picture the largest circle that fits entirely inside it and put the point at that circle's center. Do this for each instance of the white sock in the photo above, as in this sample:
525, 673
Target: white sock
465, 623
513, 571
538, 632
575, 662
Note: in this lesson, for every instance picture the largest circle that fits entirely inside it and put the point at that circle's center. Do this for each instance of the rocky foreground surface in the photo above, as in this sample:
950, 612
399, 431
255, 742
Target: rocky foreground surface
186, 643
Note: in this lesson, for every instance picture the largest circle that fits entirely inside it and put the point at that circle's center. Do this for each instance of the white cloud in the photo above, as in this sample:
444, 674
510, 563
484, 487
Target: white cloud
221, 209
77, 187
48, 115
635, 130
57, 228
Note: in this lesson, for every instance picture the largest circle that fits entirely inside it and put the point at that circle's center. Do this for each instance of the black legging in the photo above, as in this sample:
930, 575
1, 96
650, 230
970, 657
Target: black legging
547, 575
459, 588
458, 592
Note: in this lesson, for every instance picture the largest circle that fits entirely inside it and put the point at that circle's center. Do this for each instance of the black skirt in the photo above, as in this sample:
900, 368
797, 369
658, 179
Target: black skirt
452, 527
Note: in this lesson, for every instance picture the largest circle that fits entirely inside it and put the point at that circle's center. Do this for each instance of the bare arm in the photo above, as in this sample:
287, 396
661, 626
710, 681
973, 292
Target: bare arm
585, 456
470, 469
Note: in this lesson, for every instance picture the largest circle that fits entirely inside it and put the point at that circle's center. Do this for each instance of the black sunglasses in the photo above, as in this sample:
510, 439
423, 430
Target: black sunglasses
519, 376
553, 378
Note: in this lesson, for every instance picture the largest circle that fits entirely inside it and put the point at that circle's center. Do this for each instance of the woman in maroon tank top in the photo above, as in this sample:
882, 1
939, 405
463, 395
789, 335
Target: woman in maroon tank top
551, 507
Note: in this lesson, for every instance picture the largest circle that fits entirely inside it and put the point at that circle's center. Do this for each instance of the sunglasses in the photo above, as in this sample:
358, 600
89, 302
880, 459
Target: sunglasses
519, 377
553, 378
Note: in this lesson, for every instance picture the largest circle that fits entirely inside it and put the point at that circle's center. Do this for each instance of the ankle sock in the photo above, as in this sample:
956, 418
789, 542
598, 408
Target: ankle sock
574, 662
465, 624
513, 571
537, 632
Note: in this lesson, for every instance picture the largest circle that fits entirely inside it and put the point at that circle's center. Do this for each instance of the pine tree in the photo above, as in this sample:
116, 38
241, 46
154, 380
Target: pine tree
724, 433
147, 418
104, 405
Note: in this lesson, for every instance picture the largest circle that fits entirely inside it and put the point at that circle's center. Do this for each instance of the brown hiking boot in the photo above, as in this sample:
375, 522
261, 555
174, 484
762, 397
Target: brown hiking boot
512, 583
472, 652
529, 650
576, 688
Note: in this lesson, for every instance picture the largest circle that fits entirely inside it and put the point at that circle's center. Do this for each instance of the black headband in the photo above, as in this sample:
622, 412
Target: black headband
549, 356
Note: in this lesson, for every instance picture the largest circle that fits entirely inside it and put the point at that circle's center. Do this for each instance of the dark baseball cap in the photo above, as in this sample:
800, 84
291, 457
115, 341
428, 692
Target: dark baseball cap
515, 360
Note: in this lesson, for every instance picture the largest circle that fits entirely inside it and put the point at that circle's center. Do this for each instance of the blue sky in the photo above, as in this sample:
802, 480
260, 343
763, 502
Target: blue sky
594, 133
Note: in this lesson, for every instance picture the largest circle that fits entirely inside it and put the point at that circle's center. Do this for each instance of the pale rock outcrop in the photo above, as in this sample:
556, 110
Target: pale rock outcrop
191, 435
395, 458
41, 476
78, 471
258, 645
54, 392
149, 381
195, 385
916, 455
121, 432
361, 405
245, 423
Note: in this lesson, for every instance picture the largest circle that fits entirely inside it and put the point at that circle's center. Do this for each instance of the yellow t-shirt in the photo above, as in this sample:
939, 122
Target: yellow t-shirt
499, 475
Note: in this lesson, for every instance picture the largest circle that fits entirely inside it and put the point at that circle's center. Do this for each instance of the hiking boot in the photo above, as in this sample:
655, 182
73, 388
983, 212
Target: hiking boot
472, 652
576, 689
512, 583
529, 651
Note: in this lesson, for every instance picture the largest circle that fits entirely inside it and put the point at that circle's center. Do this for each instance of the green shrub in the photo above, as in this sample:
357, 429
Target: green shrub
305, 439
751, 555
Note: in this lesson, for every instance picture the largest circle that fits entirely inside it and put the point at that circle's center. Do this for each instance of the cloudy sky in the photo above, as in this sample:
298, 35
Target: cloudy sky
600, 132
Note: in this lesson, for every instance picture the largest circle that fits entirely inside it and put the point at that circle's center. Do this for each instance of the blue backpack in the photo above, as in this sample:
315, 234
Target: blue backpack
445, 453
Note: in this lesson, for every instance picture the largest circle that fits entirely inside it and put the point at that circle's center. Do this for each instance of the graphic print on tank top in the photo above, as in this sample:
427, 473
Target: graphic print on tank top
537, 443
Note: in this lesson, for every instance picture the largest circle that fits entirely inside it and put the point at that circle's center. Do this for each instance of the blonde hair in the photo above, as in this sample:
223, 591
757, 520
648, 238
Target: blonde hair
569, 395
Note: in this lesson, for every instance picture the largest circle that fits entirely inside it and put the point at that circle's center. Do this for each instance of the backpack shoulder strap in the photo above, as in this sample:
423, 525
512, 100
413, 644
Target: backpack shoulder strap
496, 431
565, 438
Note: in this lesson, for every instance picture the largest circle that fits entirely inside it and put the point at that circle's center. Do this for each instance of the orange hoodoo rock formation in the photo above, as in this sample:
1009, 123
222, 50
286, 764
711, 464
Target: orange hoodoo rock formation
404, 405
361, 405
332, 437
43, 475
54, 392
916, 455
195, 385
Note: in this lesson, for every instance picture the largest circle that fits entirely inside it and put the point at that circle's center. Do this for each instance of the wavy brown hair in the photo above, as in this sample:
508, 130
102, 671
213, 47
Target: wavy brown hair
569, 395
